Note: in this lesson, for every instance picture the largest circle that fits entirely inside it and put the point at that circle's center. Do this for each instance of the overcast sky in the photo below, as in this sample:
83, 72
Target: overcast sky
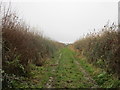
67, 20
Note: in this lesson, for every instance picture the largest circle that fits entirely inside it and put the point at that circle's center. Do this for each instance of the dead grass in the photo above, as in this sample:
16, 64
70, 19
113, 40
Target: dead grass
102, 49
21, 46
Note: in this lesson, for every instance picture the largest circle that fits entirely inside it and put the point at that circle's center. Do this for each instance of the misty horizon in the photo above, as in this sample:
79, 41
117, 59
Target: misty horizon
67, 22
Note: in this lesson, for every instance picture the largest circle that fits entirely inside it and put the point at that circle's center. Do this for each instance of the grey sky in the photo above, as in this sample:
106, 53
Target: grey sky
67, 21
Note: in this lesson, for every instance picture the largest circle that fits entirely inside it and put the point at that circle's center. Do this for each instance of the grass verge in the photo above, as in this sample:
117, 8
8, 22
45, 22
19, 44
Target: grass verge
102, 78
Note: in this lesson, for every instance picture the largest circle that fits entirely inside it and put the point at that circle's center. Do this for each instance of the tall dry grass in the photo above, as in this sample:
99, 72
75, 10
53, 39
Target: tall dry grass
22, 47
102, 48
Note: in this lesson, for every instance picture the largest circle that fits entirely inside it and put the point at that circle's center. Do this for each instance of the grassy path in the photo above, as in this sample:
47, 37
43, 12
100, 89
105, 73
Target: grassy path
51, 78
68, 73
63, 71
66, 70
87, 76
74, 72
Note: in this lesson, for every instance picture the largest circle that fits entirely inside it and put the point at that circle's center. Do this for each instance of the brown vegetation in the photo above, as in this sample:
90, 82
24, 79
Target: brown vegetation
102, 49
22, 47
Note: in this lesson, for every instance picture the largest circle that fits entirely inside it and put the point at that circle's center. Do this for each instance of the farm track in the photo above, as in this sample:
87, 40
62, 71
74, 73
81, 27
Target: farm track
68, 73
51, 78
87, 76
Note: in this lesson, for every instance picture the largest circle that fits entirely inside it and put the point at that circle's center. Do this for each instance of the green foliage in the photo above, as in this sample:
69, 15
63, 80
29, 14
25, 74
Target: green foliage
106, 80
101, 77
14, 67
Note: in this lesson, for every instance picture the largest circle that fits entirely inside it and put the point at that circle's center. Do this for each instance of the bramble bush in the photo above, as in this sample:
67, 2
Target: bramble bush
102, 48
22, 47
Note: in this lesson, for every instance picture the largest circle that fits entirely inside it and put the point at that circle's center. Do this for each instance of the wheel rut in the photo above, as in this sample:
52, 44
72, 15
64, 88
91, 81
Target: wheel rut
86, 75
52, 78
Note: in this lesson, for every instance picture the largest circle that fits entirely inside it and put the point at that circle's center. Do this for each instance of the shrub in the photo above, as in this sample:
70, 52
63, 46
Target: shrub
102, 48
21, 46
